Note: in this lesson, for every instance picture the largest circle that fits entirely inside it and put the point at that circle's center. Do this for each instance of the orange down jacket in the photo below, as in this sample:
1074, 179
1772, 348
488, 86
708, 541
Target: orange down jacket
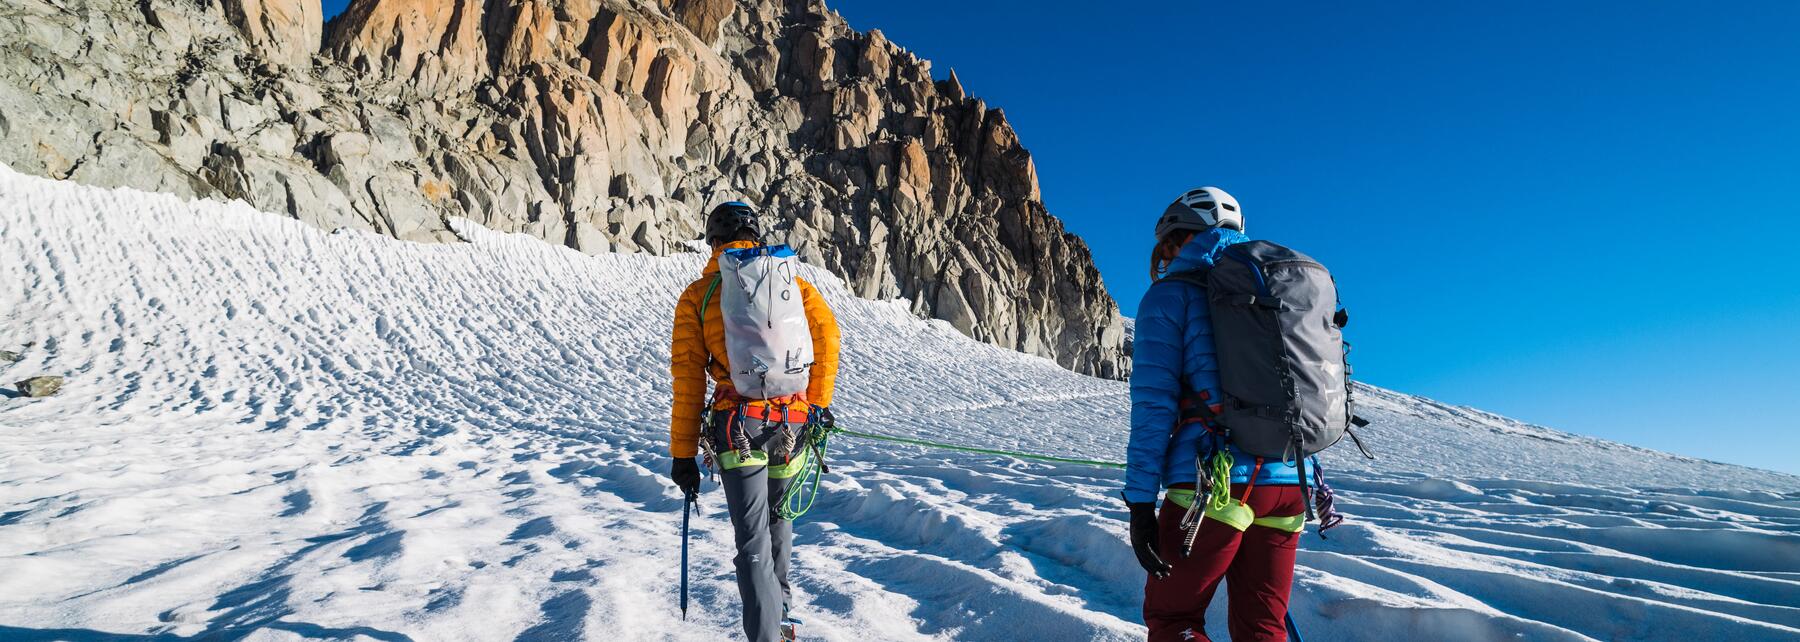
697, 350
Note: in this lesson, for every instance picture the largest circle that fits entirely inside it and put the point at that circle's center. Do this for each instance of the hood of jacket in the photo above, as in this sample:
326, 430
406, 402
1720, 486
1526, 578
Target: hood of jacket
1203, 250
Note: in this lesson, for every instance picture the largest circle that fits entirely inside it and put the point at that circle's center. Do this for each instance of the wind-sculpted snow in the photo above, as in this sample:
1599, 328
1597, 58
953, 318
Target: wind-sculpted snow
275, 432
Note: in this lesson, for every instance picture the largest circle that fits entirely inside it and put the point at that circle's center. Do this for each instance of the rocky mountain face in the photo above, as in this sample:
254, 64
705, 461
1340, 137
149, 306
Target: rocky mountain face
603, 125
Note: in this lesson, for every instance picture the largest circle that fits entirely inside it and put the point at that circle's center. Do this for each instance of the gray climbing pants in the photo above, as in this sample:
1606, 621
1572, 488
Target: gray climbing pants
764, 544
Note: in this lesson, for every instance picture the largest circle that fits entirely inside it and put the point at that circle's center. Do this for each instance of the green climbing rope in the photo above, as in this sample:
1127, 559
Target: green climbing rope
984, 451
805, 486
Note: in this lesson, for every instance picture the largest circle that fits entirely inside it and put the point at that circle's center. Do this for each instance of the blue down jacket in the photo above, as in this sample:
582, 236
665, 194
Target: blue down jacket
1174, 344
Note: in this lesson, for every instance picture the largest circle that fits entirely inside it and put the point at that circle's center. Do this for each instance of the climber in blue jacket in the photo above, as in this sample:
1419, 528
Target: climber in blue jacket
1174, 360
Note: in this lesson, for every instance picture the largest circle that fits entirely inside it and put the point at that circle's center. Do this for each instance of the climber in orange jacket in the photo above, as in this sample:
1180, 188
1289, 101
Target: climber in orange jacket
756, 464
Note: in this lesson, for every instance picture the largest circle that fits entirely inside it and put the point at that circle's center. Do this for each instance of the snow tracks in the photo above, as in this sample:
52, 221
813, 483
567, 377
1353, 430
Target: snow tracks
274, 433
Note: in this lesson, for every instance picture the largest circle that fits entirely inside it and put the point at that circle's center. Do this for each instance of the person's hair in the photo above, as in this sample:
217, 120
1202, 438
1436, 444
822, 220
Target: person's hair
1167, 248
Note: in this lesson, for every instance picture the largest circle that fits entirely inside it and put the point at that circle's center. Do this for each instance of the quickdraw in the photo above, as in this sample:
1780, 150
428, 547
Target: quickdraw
1214, 473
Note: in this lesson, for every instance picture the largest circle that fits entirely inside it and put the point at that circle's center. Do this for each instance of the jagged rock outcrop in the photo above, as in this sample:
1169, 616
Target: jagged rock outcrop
604, 125
282, 31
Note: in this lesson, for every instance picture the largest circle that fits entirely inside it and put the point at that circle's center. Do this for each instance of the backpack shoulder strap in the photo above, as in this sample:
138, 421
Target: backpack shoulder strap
1237, 253
704, 301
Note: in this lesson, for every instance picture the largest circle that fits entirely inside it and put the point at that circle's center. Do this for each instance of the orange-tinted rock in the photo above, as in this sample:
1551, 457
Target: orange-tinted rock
436, 42
702, 17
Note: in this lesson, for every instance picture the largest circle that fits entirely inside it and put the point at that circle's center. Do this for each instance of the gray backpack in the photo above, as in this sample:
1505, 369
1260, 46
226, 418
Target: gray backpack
767, 338
1281, 353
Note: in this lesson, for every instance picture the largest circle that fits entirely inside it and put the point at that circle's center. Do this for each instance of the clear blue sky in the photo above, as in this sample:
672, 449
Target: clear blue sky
1582, 216
1578, 214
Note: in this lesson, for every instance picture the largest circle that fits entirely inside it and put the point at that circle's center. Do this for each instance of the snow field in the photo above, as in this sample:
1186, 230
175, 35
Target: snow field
278, 433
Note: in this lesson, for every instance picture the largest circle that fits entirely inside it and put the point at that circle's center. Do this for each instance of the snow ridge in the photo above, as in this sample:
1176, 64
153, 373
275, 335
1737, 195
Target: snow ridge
277, 432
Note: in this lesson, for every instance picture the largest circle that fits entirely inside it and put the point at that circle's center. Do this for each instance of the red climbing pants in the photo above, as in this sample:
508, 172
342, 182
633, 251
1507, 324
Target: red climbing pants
1257, 566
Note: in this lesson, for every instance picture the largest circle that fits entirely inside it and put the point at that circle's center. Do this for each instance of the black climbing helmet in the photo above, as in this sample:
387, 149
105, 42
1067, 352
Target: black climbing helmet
728, 220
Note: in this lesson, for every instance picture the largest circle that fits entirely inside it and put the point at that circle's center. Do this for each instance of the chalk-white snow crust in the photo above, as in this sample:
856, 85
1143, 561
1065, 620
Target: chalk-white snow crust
272, 432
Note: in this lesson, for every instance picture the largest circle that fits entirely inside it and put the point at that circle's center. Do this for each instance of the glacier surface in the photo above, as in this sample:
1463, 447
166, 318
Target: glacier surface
271, 432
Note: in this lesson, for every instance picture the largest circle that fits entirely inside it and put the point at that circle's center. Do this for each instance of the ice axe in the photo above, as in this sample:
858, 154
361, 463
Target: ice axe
1293, 631
687, 509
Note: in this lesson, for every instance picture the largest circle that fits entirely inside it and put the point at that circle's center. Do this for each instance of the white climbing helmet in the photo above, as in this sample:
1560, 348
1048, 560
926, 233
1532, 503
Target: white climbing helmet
1201, 209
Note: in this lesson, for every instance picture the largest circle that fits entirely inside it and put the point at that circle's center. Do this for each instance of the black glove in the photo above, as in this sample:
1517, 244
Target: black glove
686, 474
1143, 539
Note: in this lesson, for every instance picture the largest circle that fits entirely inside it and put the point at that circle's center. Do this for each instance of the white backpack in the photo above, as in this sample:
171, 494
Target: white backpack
767, 338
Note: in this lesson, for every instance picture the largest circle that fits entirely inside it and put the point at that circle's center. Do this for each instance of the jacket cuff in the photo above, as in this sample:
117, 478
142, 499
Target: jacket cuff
1139, 496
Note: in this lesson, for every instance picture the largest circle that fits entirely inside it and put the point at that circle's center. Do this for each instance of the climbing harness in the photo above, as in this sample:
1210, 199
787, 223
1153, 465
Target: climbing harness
804, 445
